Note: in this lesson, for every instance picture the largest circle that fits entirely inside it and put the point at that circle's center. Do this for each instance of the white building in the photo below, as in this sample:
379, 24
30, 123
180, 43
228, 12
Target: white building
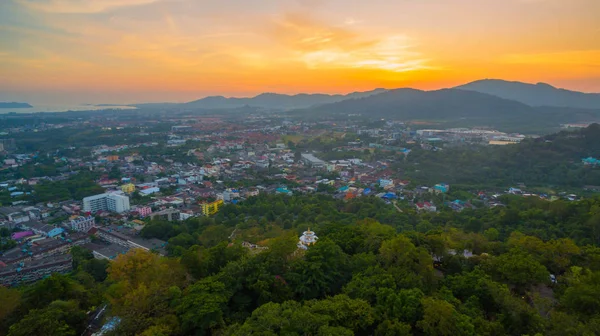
313, 161
308, 238
106, 202
82, 224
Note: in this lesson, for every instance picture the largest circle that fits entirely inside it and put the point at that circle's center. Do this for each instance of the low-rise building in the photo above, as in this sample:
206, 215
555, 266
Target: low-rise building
313, 161
114, 236
441, 188
169, 214
426, 206
43, 248
143, 211
211, 208
43, 229
128, 188
33, 270
82, 224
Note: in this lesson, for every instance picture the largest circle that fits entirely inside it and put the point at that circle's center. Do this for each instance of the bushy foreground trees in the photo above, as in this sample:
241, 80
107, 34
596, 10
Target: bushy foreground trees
361, 278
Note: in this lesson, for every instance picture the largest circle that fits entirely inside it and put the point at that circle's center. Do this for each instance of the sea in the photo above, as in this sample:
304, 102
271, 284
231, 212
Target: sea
37, 108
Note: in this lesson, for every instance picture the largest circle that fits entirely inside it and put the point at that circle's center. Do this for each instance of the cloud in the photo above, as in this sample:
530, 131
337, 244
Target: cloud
81, 6
319, 46
350, 21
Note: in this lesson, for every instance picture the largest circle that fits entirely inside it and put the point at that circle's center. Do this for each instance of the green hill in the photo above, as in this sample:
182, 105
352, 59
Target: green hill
553, 160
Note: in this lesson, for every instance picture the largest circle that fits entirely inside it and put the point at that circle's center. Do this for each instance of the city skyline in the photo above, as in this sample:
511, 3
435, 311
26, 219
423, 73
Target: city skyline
127, 51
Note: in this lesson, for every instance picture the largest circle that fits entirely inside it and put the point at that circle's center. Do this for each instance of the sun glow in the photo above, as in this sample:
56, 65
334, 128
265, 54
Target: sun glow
184, 49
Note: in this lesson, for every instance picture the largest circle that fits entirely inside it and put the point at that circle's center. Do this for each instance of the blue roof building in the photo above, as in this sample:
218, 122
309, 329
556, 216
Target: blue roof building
389, 196
343, 189
590, 161
283, 191
55, 232
442, 187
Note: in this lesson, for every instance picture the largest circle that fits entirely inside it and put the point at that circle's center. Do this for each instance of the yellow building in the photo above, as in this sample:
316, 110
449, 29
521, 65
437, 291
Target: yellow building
211, 208
128, 188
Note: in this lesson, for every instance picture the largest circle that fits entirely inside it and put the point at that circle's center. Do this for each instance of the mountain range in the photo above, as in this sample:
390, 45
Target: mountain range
540, 94
454, 108
509, 105
265, 101
14, 105
534, 95
426, 105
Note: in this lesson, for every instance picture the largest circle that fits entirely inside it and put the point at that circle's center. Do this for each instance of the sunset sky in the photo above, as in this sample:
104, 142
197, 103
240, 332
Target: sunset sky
125, 51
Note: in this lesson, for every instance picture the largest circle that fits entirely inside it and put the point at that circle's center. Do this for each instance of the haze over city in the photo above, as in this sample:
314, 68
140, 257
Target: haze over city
128, 51
299, 167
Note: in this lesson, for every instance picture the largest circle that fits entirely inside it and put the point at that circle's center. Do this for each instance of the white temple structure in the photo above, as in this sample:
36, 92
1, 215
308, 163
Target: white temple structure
308, 238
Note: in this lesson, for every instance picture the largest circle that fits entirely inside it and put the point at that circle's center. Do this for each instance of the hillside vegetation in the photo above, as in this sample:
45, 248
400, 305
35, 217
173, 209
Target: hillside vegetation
372, 272
553, 160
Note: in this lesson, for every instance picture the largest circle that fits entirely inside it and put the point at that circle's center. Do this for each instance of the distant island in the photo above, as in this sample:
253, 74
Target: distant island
14, 105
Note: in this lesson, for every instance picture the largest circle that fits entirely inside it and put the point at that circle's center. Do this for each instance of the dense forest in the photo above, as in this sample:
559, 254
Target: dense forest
553, 160
374, 271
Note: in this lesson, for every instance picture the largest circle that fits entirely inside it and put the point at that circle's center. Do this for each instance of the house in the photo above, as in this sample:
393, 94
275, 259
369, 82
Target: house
283, 190
590, 161
389, 196
16, 215
43, 229
384, 183
515, 191
426, 206
21, 235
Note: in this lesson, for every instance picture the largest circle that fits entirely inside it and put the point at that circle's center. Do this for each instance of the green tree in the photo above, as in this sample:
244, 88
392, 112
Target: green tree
202, 306
11, 299
411, 266
441, 319
60, 318
345, 312
519, 269
143, 287
393, 328
322, 271
583, 294
404, 305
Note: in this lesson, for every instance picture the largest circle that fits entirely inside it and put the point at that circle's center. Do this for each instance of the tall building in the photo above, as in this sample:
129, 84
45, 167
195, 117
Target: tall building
106, 202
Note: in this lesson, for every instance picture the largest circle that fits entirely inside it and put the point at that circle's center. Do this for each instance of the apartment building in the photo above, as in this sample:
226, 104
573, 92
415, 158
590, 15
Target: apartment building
106, 202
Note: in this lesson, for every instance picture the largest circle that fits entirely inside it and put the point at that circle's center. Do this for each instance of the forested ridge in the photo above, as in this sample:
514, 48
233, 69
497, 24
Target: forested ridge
552, 160
374, 271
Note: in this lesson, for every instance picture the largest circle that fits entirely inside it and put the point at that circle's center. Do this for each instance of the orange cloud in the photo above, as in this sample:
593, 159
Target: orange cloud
81, 6
319, 46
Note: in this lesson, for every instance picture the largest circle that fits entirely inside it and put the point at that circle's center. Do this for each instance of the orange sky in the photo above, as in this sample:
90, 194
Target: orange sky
124, 51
